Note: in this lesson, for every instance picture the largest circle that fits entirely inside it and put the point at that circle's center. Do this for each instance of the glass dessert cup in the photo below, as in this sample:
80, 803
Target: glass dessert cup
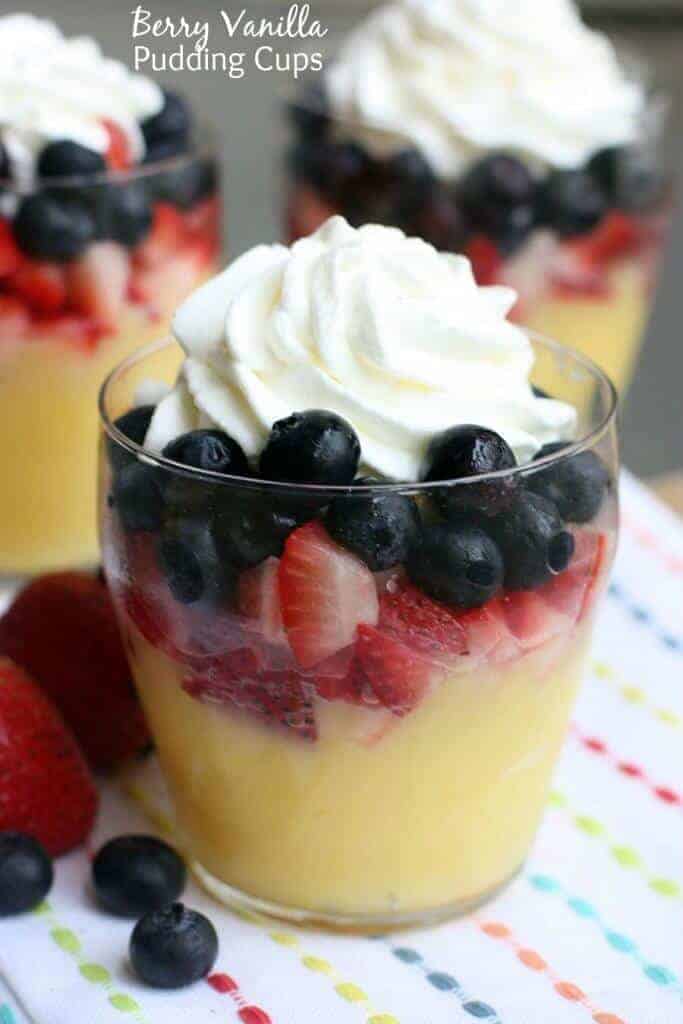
64, 325
399, 780
592, 291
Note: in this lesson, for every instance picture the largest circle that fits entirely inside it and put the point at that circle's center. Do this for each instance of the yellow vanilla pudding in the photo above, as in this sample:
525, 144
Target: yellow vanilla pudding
430, 118
357, 689
108, 219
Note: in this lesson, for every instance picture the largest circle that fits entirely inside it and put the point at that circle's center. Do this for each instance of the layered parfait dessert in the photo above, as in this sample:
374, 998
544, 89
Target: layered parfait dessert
509, 132
356, 564
108, 218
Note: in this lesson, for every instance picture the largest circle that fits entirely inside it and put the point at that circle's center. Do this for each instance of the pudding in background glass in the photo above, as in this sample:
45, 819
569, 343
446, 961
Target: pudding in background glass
109, 217
356, 564
509, 132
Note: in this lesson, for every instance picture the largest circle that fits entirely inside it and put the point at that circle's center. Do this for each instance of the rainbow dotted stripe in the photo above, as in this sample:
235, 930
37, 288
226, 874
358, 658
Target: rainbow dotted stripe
443, 982
643, 617
627, 769
246, 1012
656, 973
67, 940
7, 1015
636, 695
533, 961
626, 856
651, 543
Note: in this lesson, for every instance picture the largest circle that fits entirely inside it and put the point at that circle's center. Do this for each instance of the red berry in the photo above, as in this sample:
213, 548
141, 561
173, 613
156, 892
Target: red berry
167, 236
486, 260
62, 629
532, 620
398, 675
259, 601
428, 626
325, 592
488, 633
42, 286
98, 283
118, 155
46, 790
11, 256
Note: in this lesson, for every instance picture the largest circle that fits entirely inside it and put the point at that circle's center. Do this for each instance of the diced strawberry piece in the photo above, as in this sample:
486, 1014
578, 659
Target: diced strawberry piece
342, 677
398, 675
46, 790
11, 256
488, 633
98, 283
305, 213
572, 275
166, 285
42, 286
426, 625
118, 155
276, 698
14, 319
167, 236
573, 591
325, 593
532, 620
618, 235
486, 260
259, 601
204, 218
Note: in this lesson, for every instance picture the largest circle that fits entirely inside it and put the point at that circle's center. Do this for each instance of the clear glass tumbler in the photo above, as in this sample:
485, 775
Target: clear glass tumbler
134, 244
395, 772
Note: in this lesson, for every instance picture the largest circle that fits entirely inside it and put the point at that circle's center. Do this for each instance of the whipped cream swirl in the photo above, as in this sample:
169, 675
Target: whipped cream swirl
459, 77
375, 326
53, 88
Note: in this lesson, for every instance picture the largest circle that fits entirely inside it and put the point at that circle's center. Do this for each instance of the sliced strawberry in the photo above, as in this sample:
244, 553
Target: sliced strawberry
325, 593
11, 256
488, 633
276, 698
572, 274
573, 591
42, 286
167, 236
486, 260
532, 620
398, 675
617, 236
305, 213
163, 287
259, 601
342, 677
98, 283
118, 155
14, 319
426, 625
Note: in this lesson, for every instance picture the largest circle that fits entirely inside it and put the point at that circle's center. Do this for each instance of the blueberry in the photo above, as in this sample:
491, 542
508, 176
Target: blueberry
173, 947
463, 451
137, 495
456, 563
378, 528
312, 447
5, 169
572, 203
438, 219
310, 115
628, 176
47, 228
190, 560
492, 189
412, 170
248, 528
184, 185
533, 541
135, 874
26, 873
64, 158
173, 123
134, 424
336, 169
577, 485
124, 213
211, 450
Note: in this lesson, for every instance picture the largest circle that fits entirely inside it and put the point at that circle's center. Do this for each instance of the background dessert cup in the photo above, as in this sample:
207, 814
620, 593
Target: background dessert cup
396, 771
97, 247
472, 131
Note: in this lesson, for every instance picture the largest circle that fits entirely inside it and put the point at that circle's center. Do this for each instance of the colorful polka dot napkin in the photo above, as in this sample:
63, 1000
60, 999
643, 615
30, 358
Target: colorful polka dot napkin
591, 931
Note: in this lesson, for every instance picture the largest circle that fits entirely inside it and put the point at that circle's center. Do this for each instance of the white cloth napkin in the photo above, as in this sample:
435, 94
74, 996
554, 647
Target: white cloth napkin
592, 930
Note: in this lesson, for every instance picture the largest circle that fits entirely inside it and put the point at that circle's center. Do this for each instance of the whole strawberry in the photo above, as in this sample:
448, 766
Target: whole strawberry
62, 629
46, 790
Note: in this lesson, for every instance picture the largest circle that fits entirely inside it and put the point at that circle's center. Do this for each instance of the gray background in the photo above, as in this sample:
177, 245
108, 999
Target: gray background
245, 115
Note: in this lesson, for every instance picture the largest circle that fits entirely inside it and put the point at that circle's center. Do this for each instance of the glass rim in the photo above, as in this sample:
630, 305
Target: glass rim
572, 448
205, 146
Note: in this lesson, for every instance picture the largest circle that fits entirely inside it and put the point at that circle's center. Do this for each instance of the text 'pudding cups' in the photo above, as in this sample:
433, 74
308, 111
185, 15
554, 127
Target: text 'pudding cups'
357, 723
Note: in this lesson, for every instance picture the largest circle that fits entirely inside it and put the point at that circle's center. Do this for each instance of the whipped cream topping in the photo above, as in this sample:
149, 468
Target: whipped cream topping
53, 88
375, 326
459, 77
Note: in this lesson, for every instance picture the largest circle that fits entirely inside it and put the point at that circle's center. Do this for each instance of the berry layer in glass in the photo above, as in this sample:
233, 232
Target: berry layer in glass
586, 277
402, 777
64, 324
